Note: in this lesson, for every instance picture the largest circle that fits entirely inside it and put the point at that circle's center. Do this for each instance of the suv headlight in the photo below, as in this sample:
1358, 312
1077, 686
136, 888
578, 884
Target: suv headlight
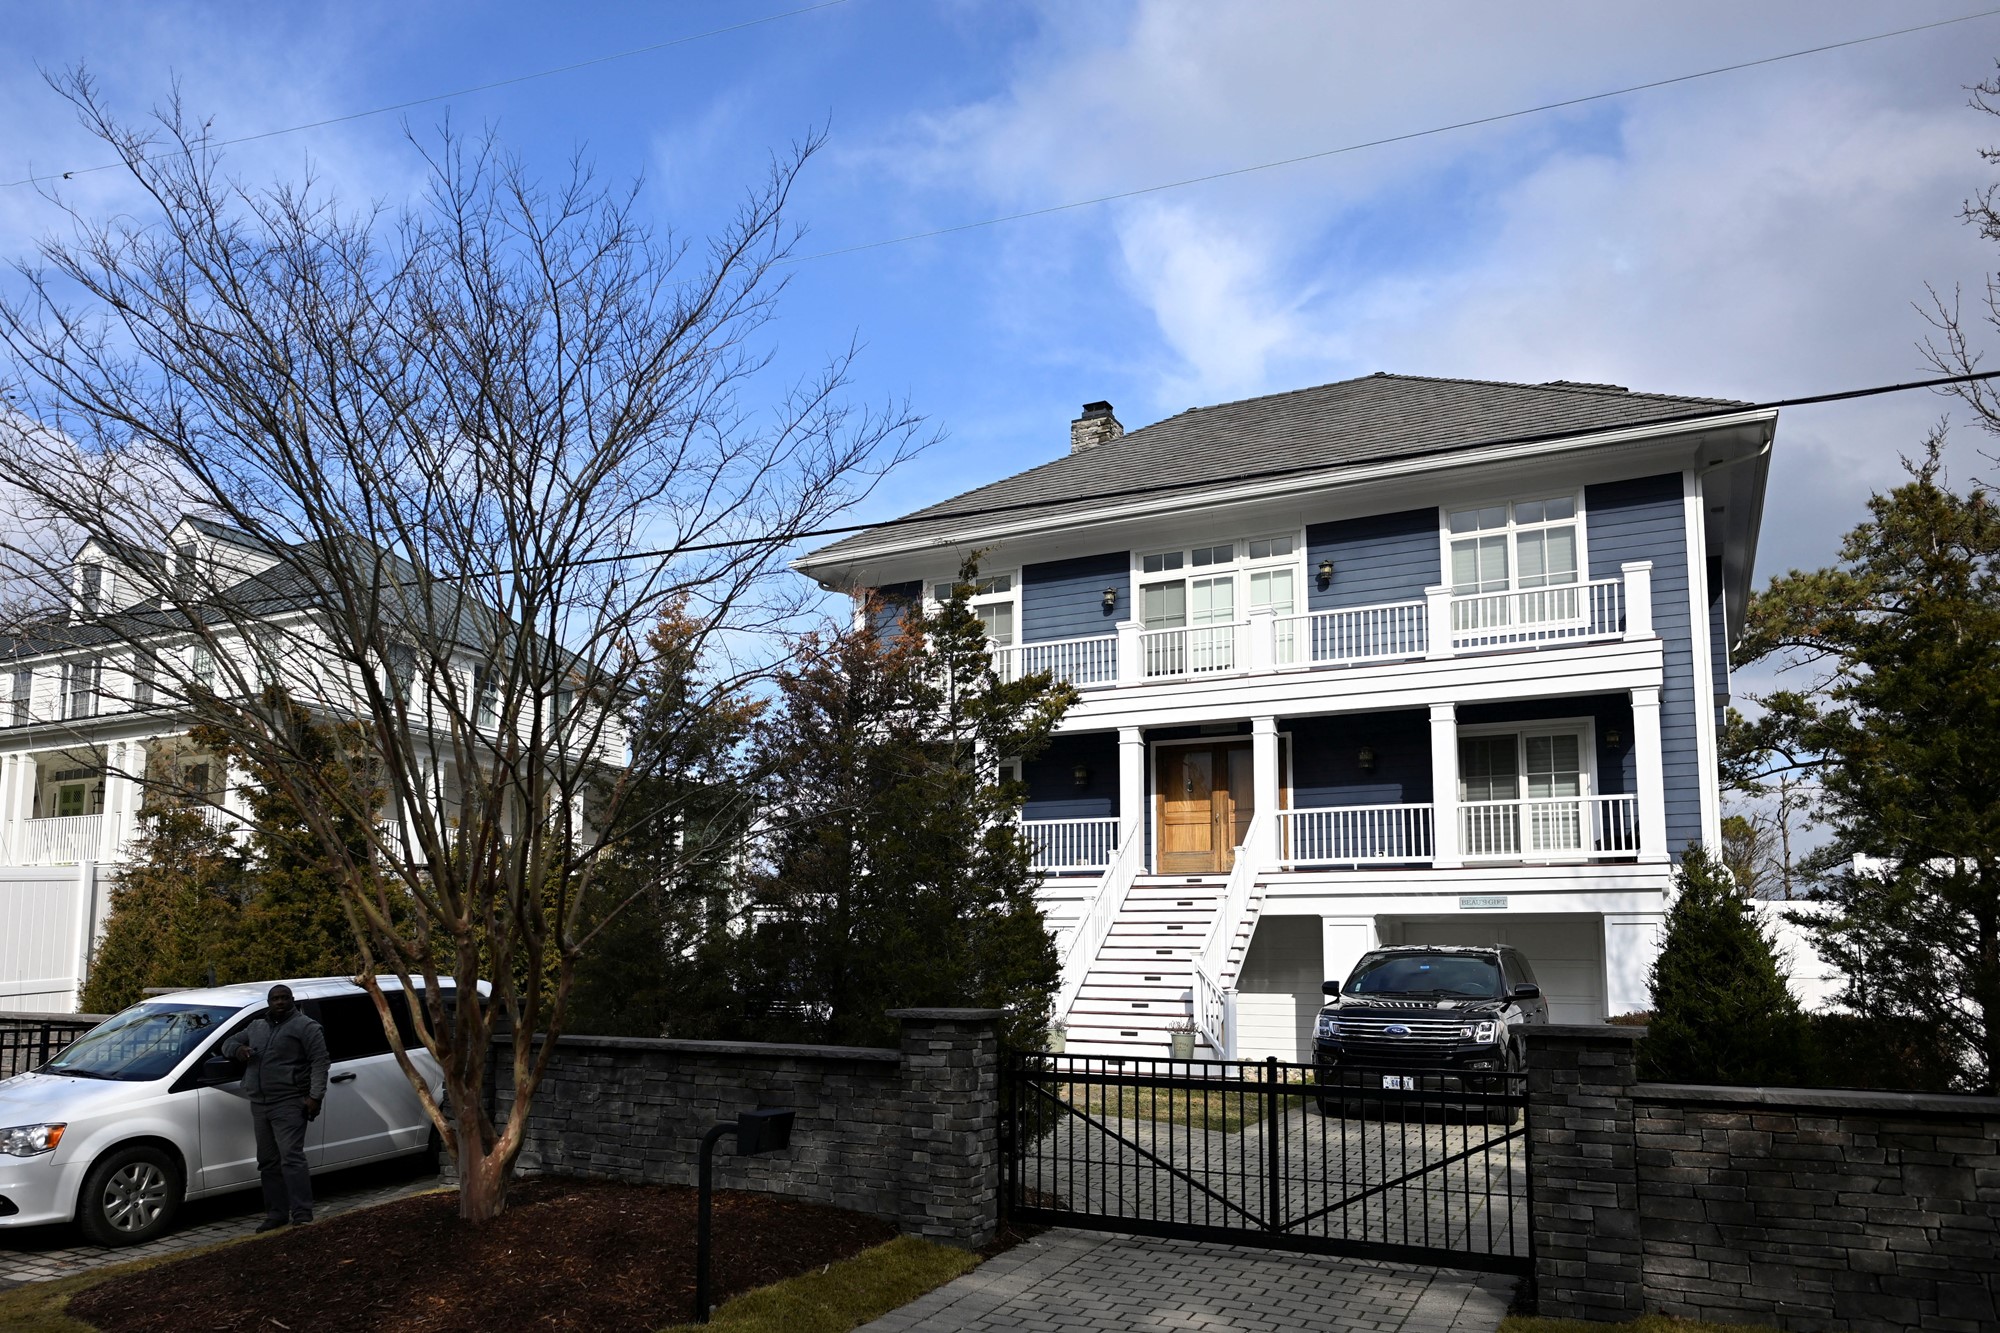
30, 1140
1485, 1033
1325, 1026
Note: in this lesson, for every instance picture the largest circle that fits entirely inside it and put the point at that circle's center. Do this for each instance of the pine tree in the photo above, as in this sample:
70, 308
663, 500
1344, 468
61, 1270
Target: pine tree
1722, 1012
176, 916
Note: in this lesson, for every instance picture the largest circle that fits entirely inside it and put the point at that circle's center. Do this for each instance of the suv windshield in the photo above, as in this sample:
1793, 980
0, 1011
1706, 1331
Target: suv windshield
141, 1044
1432, 974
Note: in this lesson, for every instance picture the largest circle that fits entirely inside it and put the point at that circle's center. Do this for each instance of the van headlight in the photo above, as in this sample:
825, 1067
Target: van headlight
1485, 1033
30, 1140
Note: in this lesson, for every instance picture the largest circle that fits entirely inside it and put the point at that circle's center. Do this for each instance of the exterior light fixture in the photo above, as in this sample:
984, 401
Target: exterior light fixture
1366, 759
1325, 572
1612, 739
1111, 599
767, 1129
1080, 775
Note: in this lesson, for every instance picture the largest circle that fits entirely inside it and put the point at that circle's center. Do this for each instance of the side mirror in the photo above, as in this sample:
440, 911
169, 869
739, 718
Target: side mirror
217, 1070
1527, 990
1329, 988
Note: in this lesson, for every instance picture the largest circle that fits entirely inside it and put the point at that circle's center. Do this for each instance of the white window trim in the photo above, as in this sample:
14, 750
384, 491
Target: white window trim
1238, 568
1011, 598
1585, 728
1445, 534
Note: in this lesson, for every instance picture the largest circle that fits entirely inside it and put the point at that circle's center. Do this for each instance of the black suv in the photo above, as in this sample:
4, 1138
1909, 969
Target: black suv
1441, 1012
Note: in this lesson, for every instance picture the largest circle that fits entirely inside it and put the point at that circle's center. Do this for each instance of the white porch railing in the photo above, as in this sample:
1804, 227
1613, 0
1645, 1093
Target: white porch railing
1094, 926
1538, 827
1564, 614
1351, 634
1085, 661
66, 840
1071, 844
1214, 1002
1201, 651
1355, 835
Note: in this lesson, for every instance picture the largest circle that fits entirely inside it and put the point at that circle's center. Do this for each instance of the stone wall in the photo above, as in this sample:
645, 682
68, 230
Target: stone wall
1809, 1209
909, 1134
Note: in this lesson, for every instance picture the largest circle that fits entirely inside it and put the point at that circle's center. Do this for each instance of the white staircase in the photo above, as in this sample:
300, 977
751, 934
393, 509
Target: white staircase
1142, 977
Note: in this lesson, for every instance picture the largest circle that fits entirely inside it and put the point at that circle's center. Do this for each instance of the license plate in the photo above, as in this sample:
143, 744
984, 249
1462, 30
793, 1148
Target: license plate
1400, 1082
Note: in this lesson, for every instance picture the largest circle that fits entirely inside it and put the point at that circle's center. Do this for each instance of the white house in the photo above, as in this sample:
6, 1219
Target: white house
1391, 660
96, 720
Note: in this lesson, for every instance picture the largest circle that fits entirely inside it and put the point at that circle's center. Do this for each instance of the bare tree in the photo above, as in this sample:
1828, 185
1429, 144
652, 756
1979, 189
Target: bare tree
463, 456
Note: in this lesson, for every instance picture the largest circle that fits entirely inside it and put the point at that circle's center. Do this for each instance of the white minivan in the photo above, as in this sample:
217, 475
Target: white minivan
140, 1112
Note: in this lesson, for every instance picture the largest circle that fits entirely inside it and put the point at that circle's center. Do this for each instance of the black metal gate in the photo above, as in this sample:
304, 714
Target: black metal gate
1394, 1163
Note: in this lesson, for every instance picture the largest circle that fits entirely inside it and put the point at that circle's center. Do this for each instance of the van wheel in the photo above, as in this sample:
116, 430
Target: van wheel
130, 1196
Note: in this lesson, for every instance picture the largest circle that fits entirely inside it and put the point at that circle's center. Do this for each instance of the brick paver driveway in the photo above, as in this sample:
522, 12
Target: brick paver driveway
1082, 1282
41, 1254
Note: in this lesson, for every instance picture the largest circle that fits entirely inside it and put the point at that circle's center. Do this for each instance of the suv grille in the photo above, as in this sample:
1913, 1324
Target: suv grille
1422, 1031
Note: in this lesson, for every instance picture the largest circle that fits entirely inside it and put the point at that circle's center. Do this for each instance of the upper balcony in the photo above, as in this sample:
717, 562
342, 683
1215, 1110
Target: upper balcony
1443, 625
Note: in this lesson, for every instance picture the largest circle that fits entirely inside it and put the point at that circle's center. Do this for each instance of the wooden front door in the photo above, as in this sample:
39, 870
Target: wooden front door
1205, 800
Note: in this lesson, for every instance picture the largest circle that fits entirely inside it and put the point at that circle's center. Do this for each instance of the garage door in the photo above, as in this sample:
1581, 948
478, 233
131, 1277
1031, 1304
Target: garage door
1567, 953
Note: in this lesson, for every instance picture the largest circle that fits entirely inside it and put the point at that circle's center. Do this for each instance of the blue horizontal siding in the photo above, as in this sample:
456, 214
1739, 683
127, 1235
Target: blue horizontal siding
1381, 558
1064, 599
1644, 519
1325, 771
1051, 778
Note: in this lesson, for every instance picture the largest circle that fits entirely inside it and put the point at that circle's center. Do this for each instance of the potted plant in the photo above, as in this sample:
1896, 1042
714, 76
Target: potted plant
1056, 1034
1180, 1035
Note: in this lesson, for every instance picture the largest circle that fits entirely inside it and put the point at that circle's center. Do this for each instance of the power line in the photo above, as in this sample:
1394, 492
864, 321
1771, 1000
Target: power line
1273, 474
1496, 118
440, 97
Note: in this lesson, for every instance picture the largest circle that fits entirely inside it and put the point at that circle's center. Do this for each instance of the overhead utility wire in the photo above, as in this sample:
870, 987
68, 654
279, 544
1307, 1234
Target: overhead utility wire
1390, 139
440, 97
1265, 474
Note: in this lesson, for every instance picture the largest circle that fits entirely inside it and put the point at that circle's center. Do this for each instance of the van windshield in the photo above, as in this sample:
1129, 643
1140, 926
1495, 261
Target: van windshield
144, 1043
1463, 976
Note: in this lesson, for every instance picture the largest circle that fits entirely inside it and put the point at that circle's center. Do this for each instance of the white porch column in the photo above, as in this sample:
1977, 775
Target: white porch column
1444, 784
10, 773
1638, 598
1131, 781
1437, 638
1343, 939
1651, 772
1631, 943
135, 797
1264, 779
111, 818
26, 779
1131, 669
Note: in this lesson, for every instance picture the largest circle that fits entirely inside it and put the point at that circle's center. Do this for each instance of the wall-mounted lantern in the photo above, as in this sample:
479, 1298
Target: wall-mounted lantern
1325, 572
766, 1129
1080, 775
1612, 740
1366, 759
1111, 599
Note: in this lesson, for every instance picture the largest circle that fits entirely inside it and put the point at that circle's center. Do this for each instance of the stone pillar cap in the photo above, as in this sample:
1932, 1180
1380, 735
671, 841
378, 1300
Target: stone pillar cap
1585, 1031
948, 1015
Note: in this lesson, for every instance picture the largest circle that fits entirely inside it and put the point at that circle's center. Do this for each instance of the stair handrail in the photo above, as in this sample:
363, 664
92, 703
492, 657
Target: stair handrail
1099, 914
1213, 1001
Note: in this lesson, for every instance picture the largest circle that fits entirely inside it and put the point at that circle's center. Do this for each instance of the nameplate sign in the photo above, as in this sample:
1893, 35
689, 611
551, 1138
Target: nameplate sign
1483, 904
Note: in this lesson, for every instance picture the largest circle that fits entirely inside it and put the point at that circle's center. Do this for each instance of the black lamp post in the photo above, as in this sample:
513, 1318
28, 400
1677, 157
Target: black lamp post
767, 1129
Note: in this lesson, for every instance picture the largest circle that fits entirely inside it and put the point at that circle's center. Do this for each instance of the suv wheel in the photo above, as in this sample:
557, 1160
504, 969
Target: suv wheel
1510, 1082
131, 1195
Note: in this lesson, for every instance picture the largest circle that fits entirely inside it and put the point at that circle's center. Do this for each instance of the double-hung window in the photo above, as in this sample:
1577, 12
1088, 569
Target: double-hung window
992, 601
24, 696
1527, 548
80, 682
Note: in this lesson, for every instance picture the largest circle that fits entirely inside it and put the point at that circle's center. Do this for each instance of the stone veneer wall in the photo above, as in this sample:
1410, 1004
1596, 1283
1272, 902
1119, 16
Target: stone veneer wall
1811, 1209
910, 1134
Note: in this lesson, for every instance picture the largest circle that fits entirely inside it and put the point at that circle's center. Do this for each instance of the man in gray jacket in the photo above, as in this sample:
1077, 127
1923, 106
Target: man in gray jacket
285, 1057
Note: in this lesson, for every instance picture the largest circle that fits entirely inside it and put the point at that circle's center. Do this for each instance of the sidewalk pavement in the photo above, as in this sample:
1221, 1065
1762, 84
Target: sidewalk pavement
1066, 1281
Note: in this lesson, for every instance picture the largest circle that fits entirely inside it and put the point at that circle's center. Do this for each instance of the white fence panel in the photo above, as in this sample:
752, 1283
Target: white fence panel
50, 918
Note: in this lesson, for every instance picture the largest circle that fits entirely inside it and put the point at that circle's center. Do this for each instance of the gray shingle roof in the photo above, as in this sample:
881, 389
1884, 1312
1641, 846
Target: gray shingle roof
1329, 426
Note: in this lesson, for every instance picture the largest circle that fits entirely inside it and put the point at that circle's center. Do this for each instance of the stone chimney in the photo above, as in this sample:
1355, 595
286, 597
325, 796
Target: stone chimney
1096, 426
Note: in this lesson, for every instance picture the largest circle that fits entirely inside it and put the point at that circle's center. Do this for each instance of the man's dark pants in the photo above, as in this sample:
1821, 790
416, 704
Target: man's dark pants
281, 1158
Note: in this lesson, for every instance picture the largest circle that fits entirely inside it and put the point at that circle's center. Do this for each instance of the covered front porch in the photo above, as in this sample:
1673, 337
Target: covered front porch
1544, 781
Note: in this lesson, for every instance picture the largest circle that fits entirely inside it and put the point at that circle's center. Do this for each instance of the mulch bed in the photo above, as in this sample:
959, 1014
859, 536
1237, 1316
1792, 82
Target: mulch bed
566, 1255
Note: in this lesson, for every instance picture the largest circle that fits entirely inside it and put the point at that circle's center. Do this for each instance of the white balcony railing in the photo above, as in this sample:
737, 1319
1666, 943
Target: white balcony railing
1202, 651
1351, 634
65, 840
1355, 835
1538, 827
1564, 614
1071, 844
1087, 661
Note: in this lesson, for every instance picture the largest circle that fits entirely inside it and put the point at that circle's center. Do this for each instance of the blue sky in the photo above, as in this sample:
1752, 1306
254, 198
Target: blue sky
1757, 234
